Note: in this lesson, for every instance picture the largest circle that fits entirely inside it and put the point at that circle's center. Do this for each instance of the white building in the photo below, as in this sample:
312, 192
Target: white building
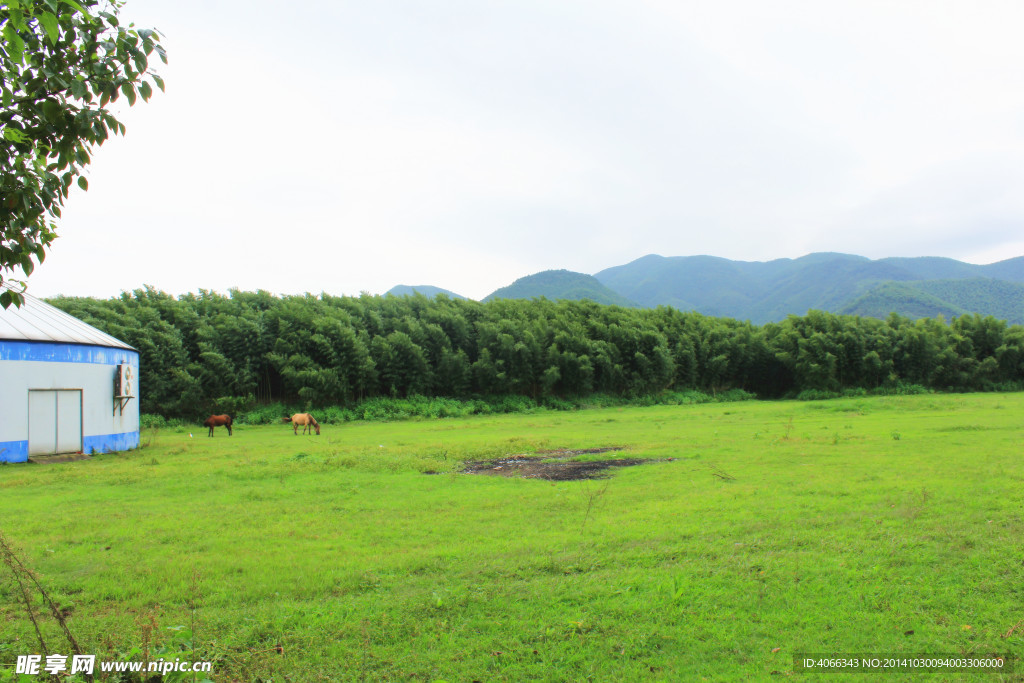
65, 387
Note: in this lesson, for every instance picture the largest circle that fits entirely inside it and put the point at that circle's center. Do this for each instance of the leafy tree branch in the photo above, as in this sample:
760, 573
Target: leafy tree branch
62, 63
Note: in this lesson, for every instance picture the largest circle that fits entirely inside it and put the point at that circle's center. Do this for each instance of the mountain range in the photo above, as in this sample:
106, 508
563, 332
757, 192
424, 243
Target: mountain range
765, 291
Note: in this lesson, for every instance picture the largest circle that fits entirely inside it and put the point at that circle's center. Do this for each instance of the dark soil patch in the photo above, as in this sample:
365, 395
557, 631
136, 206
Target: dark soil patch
535, 467
53, 459
582, 451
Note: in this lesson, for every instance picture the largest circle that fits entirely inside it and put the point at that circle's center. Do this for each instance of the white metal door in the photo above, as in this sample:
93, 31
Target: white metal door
42, 422
69, 421
54, 421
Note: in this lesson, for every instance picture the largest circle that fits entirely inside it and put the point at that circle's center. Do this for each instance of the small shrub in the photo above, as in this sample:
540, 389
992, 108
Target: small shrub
150, 421
378, 409
480, 407
901, 389
691, 397
602, 401
552, 403
735, 395
334, 415
514, 404
816, 395
269, 413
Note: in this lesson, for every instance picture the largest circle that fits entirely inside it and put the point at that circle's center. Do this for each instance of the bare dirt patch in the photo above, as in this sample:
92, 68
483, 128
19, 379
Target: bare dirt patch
553, 465
53, 459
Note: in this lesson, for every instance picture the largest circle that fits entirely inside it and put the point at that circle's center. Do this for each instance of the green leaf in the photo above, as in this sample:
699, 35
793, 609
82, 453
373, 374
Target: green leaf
159, 83
83, 183
79, 90
15, 45
18, 18
49, 23
14, 135
51, 111
146, 91
72, 3
129, 92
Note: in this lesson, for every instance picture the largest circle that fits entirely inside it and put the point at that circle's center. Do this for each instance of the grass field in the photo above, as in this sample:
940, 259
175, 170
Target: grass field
887, 525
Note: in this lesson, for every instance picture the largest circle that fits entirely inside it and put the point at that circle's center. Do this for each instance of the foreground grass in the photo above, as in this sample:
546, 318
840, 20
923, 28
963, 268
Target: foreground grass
870, 525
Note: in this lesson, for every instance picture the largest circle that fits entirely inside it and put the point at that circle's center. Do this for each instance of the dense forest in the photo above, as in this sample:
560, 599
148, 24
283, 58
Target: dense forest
199, 349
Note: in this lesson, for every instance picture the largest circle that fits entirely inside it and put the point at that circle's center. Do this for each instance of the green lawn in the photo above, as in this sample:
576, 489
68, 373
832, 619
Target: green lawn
869, 525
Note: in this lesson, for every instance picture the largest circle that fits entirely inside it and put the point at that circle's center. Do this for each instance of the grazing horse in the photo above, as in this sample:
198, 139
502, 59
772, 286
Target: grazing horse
218, 421
307, 422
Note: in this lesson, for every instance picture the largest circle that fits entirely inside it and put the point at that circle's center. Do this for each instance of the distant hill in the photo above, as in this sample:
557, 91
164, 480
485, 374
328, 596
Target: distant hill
901, 297
935, 268
928, 298
1011, 270
426, 290
769, 291
560, 284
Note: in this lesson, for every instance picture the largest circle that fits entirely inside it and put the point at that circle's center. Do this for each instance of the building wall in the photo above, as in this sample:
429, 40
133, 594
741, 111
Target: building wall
27, 366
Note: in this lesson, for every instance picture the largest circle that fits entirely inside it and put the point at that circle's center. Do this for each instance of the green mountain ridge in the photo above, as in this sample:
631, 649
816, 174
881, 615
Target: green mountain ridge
428, 291
948, 298
561, 284
903, 298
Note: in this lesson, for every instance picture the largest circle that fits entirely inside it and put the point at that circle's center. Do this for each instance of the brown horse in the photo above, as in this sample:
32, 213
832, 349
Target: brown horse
307, 422
218, 421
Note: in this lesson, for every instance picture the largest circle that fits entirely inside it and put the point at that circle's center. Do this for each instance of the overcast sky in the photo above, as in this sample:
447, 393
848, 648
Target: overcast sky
345, 146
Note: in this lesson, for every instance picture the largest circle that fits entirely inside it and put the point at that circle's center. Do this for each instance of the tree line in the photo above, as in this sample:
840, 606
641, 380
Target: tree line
324, 350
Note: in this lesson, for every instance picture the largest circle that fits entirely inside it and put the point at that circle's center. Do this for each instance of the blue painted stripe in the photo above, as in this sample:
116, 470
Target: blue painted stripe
13, 451
108, 443
66, 353
17, 451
